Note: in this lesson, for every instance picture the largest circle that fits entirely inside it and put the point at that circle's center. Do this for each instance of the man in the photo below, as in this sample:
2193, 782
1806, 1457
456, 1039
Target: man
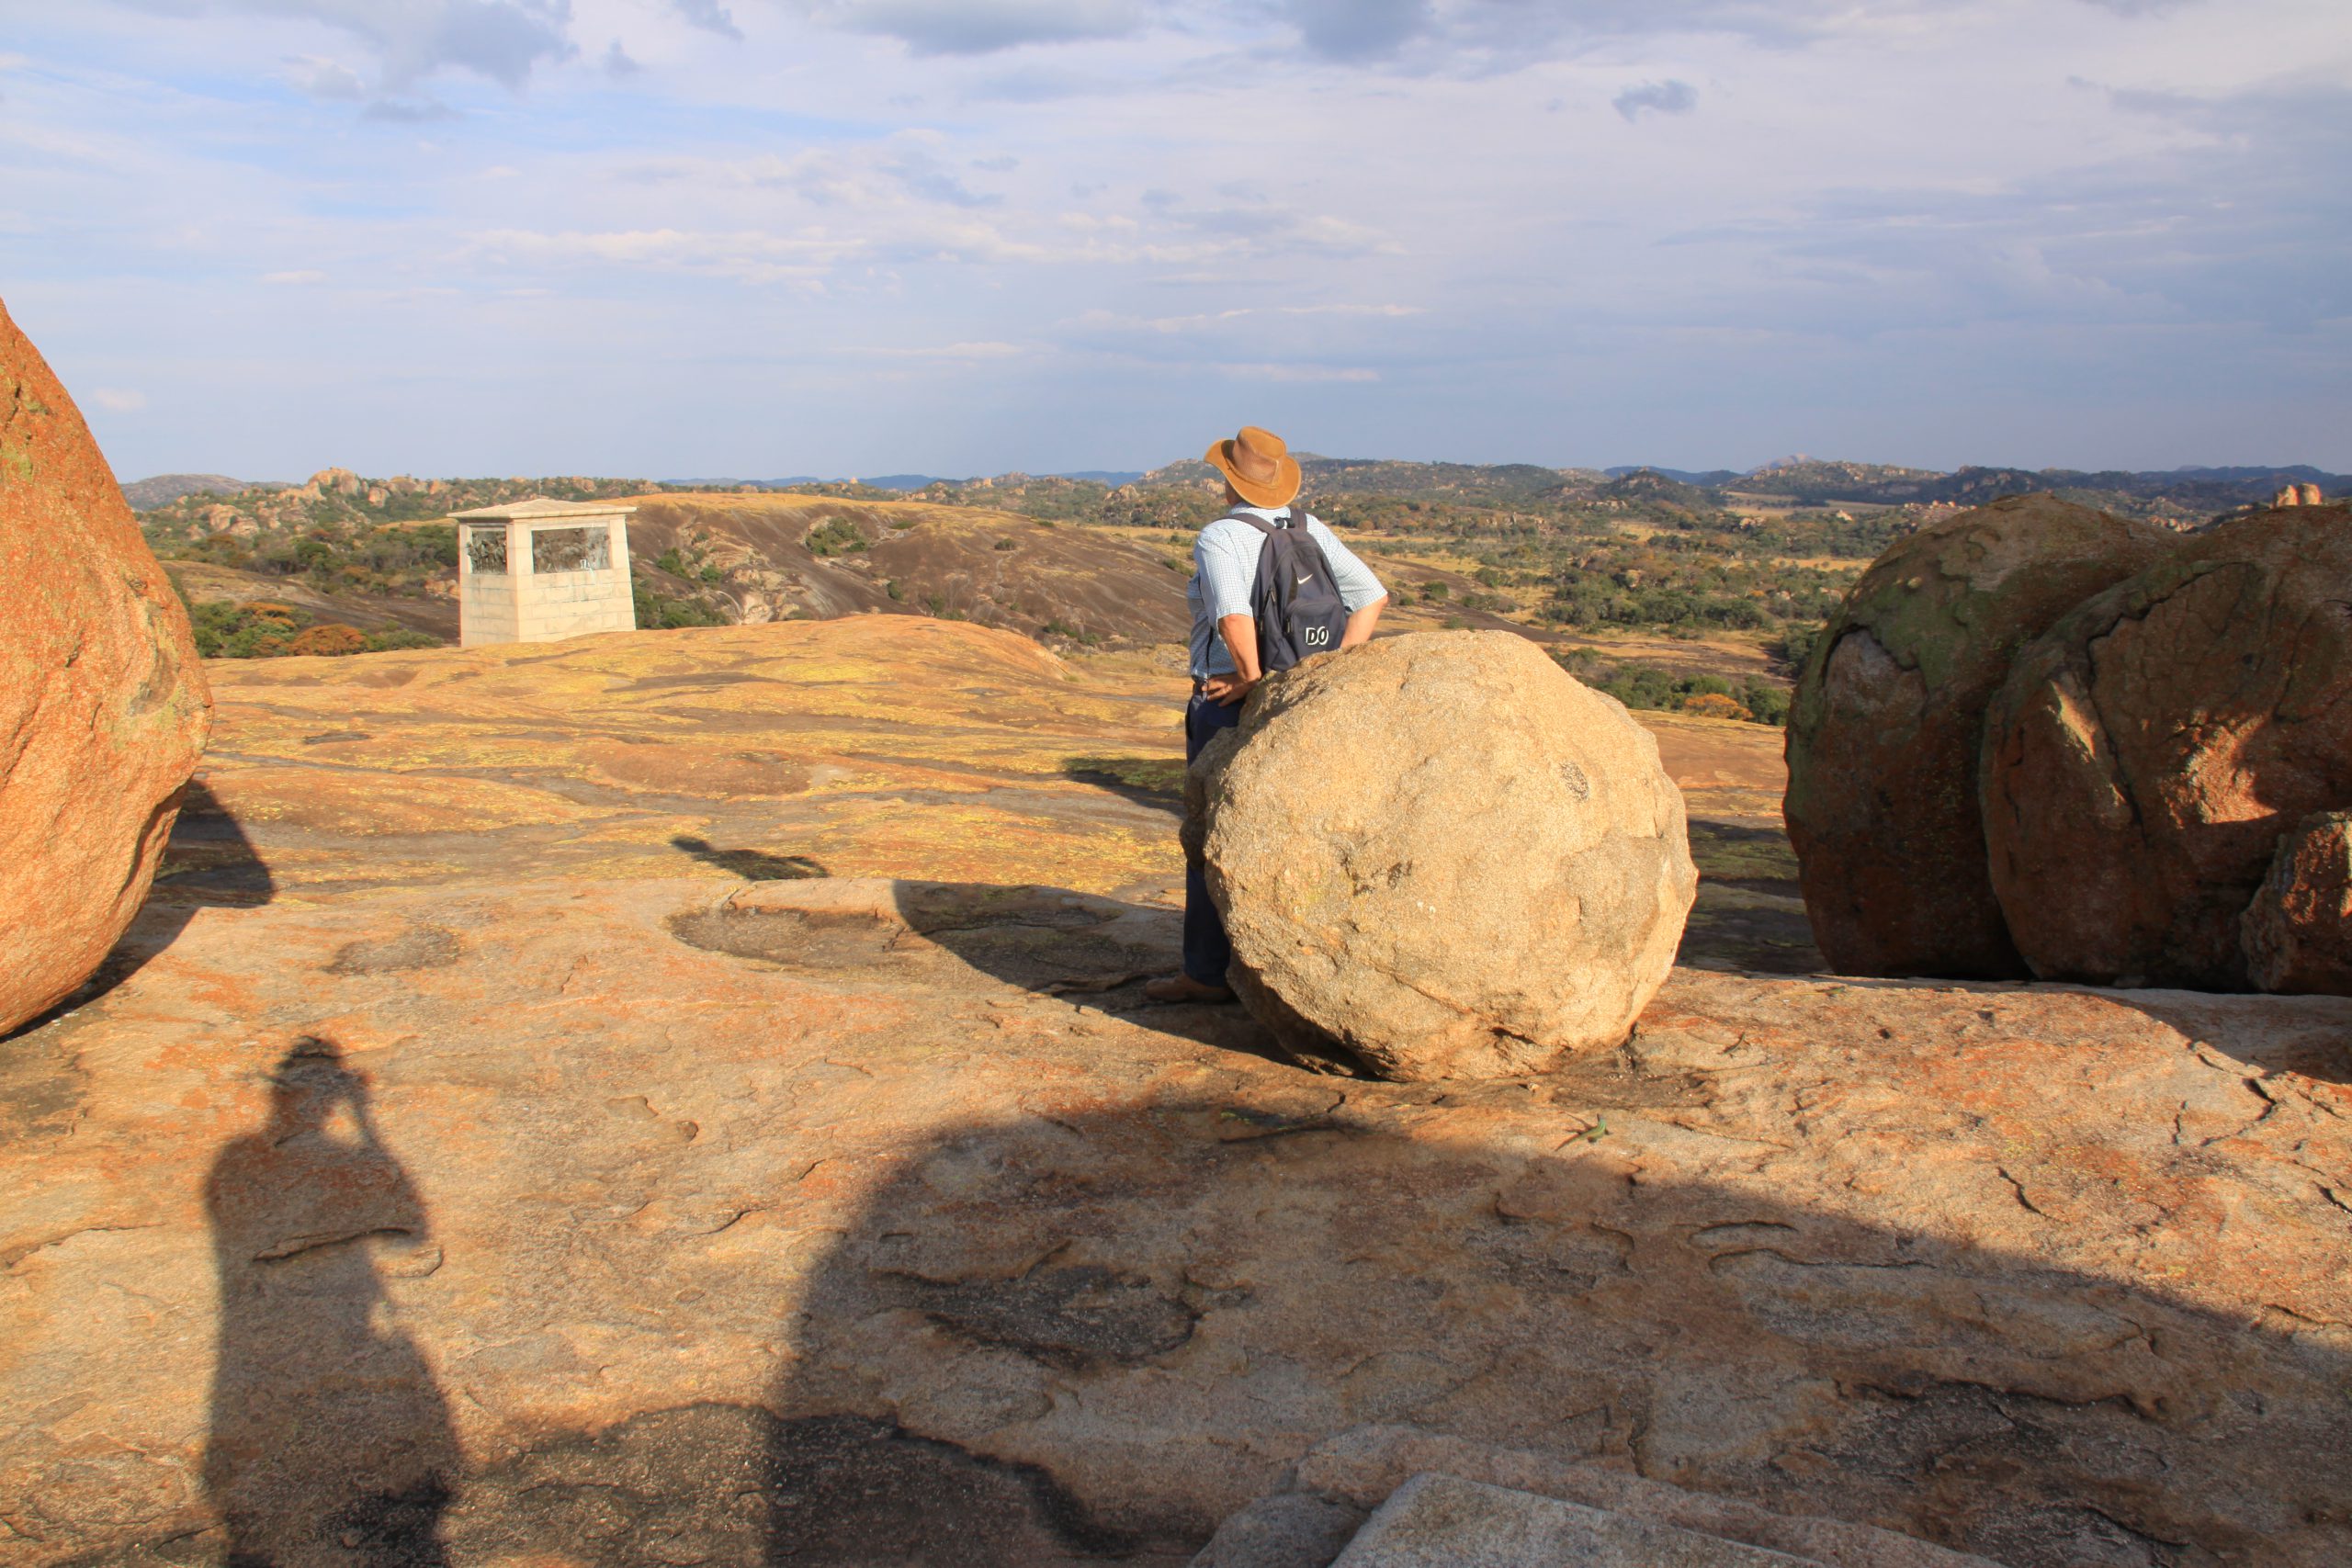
1262, 479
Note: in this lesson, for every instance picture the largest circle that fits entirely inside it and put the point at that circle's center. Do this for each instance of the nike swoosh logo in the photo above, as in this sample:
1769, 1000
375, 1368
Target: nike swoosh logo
1304, 580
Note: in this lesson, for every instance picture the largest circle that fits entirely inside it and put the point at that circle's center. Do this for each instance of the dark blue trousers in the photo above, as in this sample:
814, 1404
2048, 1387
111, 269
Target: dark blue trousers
1208, 953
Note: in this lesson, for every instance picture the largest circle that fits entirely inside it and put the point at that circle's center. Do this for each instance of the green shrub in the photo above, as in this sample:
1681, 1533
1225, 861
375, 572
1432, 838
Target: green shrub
1061, 628
256, 630
835, 536
1794, 646
264, 629
1768, 704
1647, 686
393, 641
657, 611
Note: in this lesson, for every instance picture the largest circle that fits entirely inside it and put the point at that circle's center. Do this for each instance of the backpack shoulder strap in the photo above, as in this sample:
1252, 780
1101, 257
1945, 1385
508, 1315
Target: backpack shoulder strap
1255, 522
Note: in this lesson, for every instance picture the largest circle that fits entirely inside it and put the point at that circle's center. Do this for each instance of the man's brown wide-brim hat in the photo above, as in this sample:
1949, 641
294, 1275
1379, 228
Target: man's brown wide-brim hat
1258, 464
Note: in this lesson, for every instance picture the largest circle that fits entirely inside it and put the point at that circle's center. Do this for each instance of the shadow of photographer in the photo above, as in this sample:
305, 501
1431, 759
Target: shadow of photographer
330, 1438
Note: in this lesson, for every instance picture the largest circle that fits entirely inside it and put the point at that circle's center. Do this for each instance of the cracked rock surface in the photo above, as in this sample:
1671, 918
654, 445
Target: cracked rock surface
589, 1234
411, 1198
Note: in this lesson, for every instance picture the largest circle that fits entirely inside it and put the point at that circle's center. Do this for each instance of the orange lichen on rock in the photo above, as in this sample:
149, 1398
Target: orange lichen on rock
103, 704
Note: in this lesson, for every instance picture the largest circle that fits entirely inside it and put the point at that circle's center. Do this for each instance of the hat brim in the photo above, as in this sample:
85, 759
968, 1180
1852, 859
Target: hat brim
1281, 491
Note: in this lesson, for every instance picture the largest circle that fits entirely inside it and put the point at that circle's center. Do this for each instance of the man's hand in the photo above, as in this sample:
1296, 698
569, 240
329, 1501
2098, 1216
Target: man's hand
1227, 690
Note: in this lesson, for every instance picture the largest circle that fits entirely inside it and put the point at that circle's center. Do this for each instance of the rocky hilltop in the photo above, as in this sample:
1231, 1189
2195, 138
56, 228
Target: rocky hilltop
684, 1098
794, 557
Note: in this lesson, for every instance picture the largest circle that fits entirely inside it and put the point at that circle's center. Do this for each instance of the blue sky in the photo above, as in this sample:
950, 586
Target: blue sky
765, 237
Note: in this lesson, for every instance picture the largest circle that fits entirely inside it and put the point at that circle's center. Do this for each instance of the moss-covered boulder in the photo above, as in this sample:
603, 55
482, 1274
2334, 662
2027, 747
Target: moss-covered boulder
1884, 730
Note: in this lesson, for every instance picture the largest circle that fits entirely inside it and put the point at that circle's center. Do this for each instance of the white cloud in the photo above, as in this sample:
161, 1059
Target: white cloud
1657, 97
504, 41
324, 78
294, 278
118, 399
710, 16
982, 27
1358, 29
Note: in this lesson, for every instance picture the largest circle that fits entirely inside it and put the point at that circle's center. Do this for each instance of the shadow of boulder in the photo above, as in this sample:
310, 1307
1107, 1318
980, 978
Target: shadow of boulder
1151, 1314
1154, 782
209, 862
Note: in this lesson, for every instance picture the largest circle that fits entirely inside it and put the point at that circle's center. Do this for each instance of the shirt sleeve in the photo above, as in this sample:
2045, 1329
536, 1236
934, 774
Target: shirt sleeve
1358, 586
1225, 561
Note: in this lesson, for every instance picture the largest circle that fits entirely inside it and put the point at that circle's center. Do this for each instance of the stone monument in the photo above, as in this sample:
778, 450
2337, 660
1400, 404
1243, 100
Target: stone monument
540, 570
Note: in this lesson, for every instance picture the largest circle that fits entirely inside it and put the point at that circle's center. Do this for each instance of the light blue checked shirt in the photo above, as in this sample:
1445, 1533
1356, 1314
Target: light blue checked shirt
1225, 573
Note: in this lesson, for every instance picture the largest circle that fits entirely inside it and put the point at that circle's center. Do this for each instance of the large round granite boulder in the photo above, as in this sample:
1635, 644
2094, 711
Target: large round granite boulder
2148, 752
1888, 718
103, 704
1440, 856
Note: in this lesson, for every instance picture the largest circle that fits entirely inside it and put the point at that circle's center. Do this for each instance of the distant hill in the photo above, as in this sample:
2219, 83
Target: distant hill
1373, 476
902, 483
161, 490
2175, 494
1549, 552
379, 554
1655, 487
779, 556
1710, 479
432, 613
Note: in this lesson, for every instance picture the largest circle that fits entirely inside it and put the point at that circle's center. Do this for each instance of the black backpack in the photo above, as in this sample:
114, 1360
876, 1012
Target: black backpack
1296, 601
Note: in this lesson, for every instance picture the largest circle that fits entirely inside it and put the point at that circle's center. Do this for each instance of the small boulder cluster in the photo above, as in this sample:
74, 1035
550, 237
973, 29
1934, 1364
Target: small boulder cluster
2042, 741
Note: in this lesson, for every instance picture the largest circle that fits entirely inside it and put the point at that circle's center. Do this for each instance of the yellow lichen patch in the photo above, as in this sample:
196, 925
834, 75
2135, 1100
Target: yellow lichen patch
365, 803
972, 843
691, 770
871, 745
884, 744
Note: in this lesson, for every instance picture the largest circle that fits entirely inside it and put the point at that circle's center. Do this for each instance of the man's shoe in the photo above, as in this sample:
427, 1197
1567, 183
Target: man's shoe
1184, 988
